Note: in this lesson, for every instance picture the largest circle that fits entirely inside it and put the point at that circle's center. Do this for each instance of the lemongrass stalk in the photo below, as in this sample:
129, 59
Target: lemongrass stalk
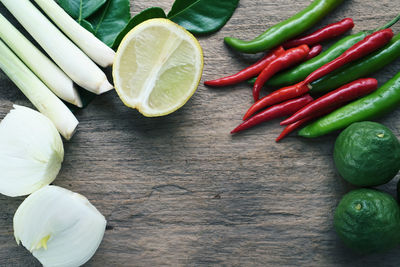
41, 65
37, 92
76, 64
93, 47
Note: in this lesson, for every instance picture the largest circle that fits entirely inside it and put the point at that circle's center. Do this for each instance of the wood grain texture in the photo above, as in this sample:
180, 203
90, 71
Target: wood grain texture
180, 191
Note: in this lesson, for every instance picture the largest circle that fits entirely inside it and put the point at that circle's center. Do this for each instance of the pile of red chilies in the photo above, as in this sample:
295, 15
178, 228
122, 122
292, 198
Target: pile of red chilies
294, 101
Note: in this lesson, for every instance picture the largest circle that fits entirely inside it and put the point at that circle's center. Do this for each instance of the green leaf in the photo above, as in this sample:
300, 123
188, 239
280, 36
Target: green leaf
86, 24
81, 9
150, 13
202, 16
110, 20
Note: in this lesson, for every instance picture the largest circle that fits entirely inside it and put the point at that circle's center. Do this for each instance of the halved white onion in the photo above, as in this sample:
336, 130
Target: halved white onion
59, 227
31, 152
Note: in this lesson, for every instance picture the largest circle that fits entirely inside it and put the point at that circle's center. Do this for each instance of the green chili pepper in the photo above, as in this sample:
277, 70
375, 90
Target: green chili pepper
287, 29
361, 68
383, 100
300, 72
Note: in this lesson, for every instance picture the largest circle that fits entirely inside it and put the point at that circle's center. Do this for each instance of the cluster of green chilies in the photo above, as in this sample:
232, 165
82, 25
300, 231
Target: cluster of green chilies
340, 66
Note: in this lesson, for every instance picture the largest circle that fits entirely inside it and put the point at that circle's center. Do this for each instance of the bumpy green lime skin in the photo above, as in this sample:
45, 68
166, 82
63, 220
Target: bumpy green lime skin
367, 154
368, 221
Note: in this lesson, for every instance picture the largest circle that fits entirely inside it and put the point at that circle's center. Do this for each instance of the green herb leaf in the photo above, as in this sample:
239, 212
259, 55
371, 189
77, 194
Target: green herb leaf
110, 20
202, 16
150, 13
80, 9
86, 24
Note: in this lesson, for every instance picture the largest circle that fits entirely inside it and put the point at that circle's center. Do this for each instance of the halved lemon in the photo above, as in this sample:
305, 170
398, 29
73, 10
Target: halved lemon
157, 67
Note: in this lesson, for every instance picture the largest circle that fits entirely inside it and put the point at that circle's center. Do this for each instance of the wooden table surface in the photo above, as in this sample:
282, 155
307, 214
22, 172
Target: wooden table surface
180, 191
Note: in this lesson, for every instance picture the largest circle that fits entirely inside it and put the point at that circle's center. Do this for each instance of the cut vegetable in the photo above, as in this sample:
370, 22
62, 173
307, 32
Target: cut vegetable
31, 152
93, 47
158, 67
40, 64
37, 92
65, 54
59, 227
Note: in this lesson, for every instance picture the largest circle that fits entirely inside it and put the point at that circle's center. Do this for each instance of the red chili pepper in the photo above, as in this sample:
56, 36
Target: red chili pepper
326, 33
287, 59
314, 51
277, 97
248, 72
369, 44
360, 49
343, 94
316, 114
280, 110
291, 127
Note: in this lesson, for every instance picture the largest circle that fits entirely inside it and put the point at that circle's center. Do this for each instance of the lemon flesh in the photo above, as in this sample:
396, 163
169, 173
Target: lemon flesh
158, 67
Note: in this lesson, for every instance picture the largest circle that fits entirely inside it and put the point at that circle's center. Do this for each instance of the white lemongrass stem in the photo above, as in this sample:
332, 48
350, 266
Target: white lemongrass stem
37, 92
76, 64
98, 51
41, 65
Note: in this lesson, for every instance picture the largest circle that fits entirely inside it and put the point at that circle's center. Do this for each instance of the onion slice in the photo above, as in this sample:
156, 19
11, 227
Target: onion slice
31, 152
59, 227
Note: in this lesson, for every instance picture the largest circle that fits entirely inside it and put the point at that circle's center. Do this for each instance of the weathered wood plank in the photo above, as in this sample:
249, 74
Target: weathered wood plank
179, 190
